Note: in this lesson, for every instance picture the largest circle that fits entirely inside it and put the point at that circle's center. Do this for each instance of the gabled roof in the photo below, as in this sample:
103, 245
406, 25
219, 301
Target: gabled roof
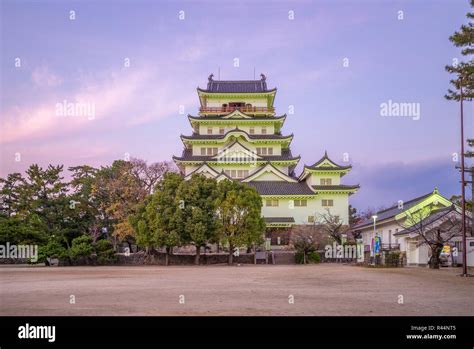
269, 168
325, 163
196, 136
236, 86
204, 168
222, 176
281, 188
187, 155
432, 218
392, 212
236, 114
235, 144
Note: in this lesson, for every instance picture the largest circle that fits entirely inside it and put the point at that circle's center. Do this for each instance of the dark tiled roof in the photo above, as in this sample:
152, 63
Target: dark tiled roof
188, 156
221, 117
326, 157
267, 136
335, 187
279, 219
281, 188
432, 218
392, 211
236, 86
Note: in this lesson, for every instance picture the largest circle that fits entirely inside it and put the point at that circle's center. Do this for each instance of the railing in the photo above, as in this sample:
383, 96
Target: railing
388, 247
246, 109
385, 247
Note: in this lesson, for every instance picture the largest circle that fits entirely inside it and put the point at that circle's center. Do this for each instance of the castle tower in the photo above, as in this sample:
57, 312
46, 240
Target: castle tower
237, 135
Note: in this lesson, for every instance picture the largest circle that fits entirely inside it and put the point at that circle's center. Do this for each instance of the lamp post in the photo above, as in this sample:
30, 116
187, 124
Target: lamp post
374, 217
463, 184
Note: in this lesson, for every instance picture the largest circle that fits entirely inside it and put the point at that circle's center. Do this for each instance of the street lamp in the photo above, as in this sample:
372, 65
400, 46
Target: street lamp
374, 217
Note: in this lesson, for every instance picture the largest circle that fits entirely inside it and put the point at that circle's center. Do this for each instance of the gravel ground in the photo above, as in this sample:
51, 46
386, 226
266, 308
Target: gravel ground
325, 289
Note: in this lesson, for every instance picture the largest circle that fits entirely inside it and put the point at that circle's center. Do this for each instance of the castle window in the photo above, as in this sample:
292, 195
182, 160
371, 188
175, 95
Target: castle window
327, 203
310, 219
214, 151
221, 130
264, 130
259, 151
301, 203
209, 130
270, 151
271, 203
252, 130
325, 181
203, 151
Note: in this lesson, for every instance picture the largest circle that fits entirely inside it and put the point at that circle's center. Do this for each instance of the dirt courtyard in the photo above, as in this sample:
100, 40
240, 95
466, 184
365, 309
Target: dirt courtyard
325, 289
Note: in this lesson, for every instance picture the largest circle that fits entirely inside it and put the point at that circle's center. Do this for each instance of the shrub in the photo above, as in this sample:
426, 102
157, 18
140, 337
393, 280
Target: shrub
105, 252
312, 257
81, 247
53, 249
393, 258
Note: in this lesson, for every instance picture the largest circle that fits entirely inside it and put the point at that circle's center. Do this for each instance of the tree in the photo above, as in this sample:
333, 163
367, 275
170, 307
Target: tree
149, 175
434, 226
83, 201
13, 228
121, 188
239, 215
332, 225
306, 242
197, 197
44, 204
9, 194
353, 216
463, 71
157, 221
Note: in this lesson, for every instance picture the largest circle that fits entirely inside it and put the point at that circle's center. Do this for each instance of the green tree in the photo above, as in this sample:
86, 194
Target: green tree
197, 199
81, 247
463, 71
239, 215
157, 222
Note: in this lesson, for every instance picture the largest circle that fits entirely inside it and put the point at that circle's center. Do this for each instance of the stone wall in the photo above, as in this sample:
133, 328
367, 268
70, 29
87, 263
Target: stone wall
182, 259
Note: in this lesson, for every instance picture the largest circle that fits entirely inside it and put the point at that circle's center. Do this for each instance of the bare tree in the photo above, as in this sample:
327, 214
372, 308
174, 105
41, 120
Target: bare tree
332, 225
434, 226
149, 175
306, 241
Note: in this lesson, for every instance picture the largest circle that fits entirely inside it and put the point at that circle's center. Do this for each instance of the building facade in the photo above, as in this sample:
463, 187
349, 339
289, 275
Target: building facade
237, 135
398, 234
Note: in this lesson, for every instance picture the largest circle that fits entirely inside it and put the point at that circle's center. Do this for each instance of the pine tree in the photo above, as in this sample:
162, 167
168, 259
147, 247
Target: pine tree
463, 71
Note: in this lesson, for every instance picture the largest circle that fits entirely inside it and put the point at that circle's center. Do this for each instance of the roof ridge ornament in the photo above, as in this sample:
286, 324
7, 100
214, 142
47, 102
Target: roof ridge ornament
210, 77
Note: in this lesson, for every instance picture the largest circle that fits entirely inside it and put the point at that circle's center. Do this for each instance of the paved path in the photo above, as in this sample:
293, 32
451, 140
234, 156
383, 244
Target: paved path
325, 289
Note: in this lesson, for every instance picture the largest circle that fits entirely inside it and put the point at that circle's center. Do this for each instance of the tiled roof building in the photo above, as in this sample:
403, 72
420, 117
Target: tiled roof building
237, 135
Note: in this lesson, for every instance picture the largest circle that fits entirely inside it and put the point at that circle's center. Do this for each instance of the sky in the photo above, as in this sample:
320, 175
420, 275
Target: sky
334, 62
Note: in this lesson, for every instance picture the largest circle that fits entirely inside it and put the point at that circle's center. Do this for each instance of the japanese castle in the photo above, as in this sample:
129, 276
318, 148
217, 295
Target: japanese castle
238, 136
